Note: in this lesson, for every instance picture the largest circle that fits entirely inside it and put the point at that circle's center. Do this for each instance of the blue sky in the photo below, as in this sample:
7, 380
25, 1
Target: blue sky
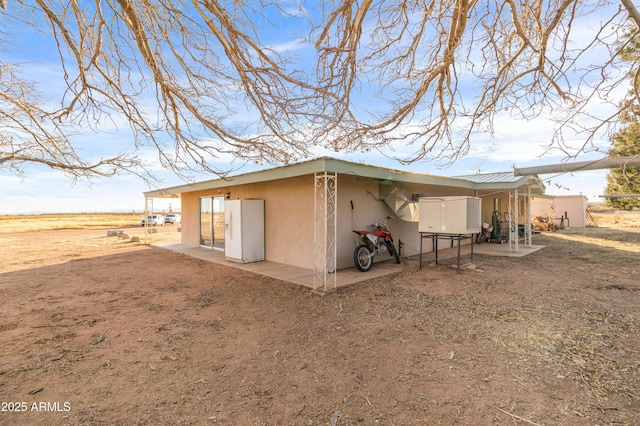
514, 143
46, 190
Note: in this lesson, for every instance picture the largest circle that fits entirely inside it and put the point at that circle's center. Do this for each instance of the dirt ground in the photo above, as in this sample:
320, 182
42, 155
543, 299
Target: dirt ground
100, 330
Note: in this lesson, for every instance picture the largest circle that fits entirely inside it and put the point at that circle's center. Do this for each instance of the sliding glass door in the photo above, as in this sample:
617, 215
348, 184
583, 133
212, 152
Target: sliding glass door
212, 222
217, 219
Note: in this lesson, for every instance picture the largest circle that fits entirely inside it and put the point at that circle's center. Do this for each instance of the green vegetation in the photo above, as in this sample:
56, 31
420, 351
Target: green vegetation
626, 142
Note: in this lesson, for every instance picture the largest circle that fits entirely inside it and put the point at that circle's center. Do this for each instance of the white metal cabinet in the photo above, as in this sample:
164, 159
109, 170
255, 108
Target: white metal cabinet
244, 230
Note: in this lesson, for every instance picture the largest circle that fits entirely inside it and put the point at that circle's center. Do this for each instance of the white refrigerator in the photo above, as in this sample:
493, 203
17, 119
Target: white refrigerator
244, 230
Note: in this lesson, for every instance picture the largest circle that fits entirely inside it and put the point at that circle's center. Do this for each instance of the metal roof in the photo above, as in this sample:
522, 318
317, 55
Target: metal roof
332, 165
500, 177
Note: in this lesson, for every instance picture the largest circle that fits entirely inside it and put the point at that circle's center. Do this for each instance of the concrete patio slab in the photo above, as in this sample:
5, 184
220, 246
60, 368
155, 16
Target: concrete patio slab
492, 249
294, 274
348, 276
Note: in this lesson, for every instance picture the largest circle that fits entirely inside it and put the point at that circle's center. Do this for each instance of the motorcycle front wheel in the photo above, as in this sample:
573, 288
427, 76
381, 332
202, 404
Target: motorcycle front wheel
362, 258
392, 251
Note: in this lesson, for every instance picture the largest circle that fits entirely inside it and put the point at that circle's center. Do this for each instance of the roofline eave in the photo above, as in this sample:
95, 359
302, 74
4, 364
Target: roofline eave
319, 165
332, 165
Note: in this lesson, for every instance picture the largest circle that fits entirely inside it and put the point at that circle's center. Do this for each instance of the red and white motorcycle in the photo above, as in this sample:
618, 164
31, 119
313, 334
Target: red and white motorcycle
371, 243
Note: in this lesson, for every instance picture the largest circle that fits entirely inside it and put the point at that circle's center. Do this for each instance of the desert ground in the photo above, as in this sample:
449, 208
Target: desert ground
96, 329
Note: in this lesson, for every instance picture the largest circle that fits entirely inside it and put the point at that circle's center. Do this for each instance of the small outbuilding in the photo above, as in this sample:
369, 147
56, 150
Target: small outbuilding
564, 210
309, 209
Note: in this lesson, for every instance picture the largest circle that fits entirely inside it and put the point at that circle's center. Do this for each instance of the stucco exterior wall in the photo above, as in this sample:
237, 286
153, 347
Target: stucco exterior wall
488, 206
368, 208
190, 212
574, 207
542, 207
288, 217
363, 194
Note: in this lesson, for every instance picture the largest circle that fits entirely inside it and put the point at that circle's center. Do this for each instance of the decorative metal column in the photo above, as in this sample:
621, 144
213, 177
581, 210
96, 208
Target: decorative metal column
324, 233
517, 216
512, 208
527, 219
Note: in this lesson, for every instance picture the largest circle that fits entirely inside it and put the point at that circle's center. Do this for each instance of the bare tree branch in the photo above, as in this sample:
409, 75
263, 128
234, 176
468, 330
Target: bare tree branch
196, 80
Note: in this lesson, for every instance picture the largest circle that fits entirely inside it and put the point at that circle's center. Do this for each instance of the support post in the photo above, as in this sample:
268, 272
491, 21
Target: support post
517, 213
325, 231
509, 220
527, 220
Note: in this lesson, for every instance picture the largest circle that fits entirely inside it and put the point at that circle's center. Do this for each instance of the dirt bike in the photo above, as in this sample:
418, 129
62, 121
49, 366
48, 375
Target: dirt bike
485, 234
371, 243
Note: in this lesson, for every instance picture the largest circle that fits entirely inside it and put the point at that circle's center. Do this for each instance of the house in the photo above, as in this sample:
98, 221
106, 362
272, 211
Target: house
311, 208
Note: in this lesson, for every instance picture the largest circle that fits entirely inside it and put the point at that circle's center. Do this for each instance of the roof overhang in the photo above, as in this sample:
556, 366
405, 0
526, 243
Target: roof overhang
332, 165
533, 182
